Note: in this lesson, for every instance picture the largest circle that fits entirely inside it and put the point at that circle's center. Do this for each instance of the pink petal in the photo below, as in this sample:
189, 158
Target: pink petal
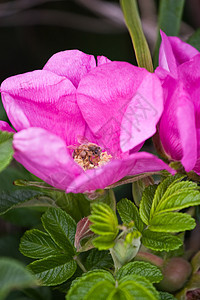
173, 52
115, 170
4, 126
189, 74
73, 64
177, 126
182, 51
102, 60
196, 168
142, 114
104, 95
43, 99
46, 156
187, 131
167, 60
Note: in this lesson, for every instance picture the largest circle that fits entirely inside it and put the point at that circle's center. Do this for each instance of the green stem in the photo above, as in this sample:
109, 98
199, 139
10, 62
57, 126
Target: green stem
133, 23
79, 263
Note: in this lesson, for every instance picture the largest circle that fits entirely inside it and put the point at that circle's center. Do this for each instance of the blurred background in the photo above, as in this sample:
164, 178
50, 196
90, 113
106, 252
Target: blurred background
32, 30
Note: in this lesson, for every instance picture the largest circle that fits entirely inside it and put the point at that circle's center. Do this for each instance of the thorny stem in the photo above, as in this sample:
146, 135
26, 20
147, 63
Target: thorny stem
79, 263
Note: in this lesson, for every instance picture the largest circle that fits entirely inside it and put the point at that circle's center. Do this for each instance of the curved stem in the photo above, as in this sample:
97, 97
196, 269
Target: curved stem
79, 263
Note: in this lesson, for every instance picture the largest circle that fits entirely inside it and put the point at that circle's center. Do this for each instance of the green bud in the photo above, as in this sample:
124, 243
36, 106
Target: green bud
126, 249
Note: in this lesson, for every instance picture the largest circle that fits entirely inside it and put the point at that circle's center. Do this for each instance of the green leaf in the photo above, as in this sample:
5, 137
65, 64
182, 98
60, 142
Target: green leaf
95, 259
138, 287
12, 199
108, 197
82, 286
38, 244
146, 203
12, 196
61, 227
101, 285
13, 275
53, 270
138, 188
159, 241
103, 242
133, 23
129, 212
179, 196
171, 222
76, 205
101, 291
104, 224
145, 269
161, 189
194, 39
170, 13
166, 296
6, 149
24, 216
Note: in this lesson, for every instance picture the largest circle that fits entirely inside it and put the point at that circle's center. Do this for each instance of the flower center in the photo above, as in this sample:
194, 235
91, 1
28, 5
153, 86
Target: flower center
90, 156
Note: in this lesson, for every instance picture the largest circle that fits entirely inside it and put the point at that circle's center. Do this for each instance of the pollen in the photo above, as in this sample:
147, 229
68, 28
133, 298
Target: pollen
90, 156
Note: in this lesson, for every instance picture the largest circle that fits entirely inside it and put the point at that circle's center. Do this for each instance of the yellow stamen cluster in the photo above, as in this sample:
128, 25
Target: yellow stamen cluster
90, 156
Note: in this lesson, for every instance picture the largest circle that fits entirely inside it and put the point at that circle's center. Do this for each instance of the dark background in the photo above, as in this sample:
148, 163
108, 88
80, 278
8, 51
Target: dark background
32, 30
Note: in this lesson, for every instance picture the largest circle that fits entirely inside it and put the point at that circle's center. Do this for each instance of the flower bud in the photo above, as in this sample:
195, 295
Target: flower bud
126, 249
175, 272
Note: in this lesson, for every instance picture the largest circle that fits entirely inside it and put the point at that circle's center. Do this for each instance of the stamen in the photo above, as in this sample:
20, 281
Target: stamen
90, 156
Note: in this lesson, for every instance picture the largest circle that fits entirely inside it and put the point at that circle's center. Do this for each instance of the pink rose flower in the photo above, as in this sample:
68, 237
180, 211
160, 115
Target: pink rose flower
179, 127
114, 105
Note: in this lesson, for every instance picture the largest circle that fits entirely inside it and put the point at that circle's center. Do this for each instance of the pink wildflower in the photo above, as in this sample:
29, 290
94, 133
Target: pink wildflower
179, 127
114, 105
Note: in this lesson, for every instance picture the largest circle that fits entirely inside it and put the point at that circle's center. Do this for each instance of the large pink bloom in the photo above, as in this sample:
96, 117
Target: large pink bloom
115, 105
179, 128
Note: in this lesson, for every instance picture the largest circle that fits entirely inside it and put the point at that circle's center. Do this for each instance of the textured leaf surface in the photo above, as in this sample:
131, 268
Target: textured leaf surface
145, 269
13, 275
146, 203
172, 222
82, 286
129, 212
166, 296
101, 290
178, 198
103, 242
6, 149
161, 189
101, 285
38, 244
11, 195
138, 287
104, 220
61, 227
11, 199
53, 270
95, 259
76, 205
159, 241
105, 224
